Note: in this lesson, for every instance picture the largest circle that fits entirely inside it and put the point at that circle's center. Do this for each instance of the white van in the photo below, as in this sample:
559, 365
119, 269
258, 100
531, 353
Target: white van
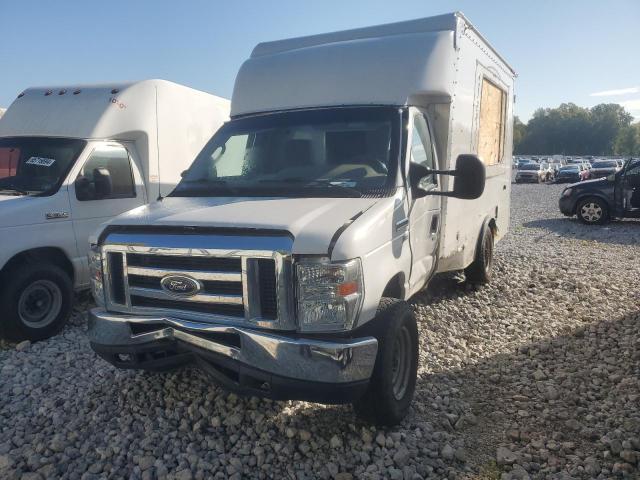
356, 166
72, 158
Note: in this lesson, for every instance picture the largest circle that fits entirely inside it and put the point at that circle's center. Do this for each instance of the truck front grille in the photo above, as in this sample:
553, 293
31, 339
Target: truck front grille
239, 287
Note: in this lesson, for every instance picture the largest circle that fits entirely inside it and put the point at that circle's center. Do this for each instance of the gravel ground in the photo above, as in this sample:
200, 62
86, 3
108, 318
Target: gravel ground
534, 376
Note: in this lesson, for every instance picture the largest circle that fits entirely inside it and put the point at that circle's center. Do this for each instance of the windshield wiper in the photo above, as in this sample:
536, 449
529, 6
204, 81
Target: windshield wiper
203, 186
352, 192
13, 191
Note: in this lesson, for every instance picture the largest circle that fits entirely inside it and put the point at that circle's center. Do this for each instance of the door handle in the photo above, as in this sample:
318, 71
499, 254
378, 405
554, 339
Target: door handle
400, 224
434, 224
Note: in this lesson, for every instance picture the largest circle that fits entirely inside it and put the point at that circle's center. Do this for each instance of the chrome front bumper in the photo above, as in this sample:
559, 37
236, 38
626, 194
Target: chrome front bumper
299, 359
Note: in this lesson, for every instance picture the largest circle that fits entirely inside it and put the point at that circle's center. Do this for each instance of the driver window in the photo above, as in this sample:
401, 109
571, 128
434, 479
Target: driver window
108, 164
632, 175
421, 146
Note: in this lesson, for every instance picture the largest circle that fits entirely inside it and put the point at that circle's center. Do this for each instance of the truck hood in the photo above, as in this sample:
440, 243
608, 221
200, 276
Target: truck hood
312, 221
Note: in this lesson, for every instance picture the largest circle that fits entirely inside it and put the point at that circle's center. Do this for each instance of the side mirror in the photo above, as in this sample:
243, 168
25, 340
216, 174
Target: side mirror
102, 183
84, 189
416, 173
470, 176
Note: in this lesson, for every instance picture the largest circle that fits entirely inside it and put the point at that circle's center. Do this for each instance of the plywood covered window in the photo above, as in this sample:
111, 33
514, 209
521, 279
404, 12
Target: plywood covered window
492, 123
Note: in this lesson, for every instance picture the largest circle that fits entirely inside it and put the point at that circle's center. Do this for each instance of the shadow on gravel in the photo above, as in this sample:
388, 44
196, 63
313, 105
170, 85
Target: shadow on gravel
564, 404
624, 232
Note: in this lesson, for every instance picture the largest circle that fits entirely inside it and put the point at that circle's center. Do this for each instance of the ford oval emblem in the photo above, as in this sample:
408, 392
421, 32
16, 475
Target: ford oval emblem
180, 285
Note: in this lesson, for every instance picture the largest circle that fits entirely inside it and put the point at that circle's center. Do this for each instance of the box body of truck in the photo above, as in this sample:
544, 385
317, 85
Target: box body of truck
138, 137
339, 188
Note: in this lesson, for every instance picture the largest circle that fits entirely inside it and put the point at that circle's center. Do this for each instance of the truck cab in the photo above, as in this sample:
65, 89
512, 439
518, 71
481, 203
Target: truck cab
603, 199
282, 262
72, 158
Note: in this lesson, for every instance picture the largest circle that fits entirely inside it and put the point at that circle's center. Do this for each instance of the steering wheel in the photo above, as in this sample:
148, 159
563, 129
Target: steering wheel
377, 165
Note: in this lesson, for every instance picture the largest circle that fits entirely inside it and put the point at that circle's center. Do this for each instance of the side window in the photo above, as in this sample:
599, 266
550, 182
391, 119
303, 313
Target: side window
225, 159
421, 146
106, 174
491, 128
632, 175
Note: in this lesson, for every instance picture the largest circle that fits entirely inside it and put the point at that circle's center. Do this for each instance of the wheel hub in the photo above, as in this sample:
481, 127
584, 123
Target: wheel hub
40, 303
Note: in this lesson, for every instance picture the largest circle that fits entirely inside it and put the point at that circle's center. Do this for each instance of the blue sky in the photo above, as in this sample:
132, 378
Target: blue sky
563, 51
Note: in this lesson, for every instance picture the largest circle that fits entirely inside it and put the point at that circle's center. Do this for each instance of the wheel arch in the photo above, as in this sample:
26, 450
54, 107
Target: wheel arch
597, 195
396, 287
53, 255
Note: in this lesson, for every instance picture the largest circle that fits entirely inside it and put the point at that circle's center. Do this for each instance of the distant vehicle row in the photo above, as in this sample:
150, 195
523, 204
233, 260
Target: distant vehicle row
574, 170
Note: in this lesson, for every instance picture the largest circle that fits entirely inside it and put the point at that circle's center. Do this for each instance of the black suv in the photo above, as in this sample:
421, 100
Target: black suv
598, 201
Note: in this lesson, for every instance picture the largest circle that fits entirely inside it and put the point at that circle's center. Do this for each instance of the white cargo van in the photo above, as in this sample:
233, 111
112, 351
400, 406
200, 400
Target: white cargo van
353, 170
74, 157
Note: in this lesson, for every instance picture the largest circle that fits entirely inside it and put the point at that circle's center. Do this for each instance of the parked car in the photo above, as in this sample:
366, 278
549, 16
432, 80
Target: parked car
72, 158
283, 260
585, 171
600, 200
532, 172
604, 168
569, 173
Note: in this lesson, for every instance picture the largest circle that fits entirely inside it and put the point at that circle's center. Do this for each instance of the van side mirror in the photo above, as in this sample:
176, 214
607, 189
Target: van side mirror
470, 177
468, 183
102, 183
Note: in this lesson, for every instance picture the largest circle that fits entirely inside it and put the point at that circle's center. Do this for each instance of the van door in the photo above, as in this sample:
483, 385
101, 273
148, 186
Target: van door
424, 213
107, 184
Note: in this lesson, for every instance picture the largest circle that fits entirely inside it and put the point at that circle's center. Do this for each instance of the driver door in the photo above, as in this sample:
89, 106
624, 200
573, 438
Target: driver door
424, 214
631, 189
88, 209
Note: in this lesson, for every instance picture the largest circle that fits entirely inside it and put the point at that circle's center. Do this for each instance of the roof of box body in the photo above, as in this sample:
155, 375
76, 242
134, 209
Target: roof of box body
88, 111
380, 65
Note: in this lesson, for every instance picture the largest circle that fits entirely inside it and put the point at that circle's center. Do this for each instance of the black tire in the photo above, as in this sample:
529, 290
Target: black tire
481, 270
28, 290
393, 382
592, 211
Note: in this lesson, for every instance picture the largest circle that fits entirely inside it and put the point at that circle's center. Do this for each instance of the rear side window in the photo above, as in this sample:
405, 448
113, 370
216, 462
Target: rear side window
491, 128
112, 160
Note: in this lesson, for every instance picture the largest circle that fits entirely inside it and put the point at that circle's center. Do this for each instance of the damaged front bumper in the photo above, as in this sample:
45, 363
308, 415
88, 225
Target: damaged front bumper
241, 359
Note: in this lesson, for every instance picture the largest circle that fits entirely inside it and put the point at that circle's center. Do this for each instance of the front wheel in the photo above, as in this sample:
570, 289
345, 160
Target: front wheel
592, 211
37, 301
390, 391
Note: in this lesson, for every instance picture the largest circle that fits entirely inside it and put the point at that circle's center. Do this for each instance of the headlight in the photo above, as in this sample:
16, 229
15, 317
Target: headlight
567, 192
329, 294
95, 274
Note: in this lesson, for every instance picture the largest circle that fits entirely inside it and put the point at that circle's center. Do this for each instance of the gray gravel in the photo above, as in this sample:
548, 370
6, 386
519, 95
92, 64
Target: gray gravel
534, 376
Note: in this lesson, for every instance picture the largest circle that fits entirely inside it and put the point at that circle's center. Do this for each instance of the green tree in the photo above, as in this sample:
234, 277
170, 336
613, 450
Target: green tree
573, 130
628, 141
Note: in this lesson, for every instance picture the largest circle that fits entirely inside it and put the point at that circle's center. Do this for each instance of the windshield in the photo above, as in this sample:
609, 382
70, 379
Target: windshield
529, 166
573, 168
605, 164
35, 165
338, 152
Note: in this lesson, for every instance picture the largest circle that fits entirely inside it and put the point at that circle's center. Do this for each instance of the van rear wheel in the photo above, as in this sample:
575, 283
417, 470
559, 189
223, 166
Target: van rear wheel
37, 301
480, 271
393, 382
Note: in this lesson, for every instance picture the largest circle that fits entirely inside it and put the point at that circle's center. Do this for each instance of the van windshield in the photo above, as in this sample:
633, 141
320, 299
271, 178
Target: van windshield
333, 152
36, 165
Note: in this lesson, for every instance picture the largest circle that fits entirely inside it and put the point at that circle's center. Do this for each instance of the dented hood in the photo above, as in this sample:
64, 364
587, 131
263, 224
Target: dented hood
311, 221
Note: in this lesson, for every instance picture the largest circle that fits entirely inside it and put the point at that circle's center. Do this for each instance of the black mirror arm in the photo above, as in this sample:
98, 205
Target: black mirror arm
453, 173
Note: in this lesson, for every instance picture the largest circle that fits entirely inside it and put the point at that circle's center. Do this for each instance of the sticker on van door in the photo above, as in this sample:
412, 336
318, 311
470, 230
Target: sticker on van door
41, 161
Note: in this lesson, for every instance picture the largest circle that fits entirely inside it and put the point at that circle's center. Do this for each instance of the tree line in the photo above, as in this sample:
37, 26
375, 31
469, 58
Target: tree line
605, 129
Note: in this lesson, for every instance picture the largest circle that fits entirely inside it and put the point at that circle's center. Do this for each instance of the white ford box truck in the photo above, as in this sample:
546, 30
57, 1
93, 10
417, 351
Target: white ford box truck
74, 157
351, 172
